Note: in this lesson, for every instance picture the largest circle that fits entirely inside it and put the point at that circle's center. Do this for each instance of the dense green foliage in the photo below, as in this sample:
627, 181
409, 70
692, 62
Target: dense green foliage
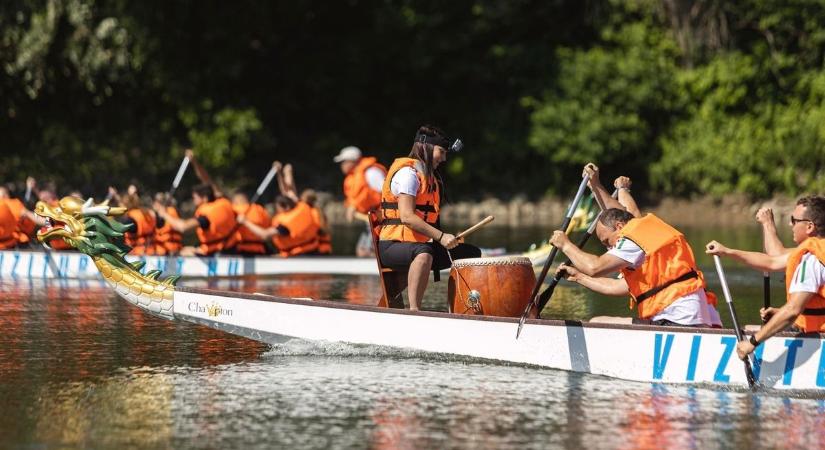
686, 97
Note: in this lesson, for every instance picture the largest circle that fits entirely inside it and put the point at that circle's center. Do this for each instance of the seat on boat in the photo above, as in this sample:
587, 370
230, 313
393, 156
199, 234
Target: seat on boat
393, 282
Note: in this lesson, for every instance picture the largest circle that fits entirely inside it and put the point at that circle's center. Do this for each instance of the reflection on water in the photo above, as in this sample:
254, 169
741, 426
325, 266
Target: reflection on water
80, 368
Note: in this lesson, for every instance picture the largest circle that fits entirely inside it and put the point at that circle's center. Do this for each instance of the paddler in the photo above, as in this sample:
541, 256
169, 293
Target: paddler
27, 221
293, 229
214, 221
363, 180
804, 310
250, 243
286, 184
658, 267
168, 241
410, 238
143, 221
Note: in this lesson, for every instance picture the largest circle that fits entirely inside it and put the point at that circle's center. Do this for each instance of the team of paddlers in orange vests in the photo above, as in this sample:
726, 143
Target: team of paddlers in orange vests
222, 225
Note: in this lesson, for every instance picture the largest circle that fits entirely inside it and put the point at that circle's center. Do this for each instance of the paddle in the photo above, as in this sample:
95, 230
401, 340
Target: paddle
567, 218
748, 371
545, 296
181, 170
261, 188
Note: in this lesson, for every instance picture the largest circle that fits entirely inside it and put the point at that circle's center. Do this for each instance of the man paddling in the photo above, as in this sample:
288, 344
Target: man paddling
804, 275
658, 267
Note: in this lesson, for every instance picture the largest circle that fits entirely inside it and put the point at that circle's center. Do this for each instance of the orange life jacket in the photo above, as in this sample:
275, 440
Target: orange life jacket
142, 237
813, 317
669, 270
357, 191
221, 232
25, 226
427, 204
324, 238
303, 231
8, 227
249, 242
168, 240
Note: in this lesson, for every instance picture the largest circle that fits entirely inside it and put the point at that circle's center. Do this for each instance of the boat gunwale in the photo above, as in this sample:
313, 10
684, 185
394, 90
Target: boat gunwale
445, 315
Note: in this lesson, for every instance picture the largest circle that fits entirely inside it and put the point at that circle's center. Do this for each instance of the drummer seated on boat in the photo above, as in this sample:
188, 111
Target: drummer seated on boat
293, 230
658, 268
410, 201
804, 269
214, 223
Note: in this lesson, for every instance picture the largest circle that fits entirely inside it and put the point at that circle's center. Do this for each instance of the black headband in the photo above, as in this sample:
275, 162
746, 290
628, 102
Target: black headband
440, 141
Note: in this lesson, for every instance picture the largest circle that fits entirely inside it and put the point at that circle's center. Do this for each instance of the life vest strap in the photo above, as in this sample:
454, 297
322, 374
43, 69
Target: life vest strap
814, 312
684, 277
423, 208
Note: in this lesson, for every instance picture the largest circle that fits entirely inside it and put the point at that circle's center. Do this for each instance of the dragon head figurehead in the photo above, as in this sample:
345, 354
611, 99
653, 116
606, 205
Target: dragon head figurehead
86, 227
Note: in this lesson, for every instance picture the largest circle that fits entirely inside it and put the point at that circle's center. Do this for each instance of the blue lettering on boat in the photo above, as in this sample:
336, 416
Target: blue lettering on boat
234, 263
82, 264
694, 356
729, 342
63, 266
14, 265
820, 374
757, 361
179, 270
211, 266
661, 355
793, 345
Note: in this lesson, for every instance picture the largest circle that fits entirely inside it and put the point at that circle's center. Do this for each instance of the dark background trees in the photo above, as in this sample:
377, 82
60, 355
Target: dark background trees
686, 97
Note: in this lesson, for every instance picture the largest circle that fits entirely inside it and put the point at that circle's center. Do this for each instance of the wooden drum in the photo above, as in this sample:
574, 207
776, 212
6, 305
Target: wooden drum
491, 286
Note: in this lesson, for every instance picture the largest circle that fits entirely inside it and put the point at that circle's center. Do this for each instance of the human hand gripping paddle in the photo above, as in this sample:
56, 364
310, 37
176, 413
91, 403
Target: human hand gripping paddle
748, 370
534, 300
544, 298
261, 188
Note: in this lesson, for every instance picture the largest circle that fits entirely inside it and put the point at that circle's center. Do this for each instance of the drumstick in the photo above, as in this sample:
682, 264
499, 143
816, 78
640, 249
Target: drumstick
475, 227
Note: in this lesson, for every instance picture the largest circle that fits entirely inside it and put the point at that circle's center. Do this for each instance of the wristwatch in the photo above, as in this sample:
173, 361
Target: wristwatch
753, 341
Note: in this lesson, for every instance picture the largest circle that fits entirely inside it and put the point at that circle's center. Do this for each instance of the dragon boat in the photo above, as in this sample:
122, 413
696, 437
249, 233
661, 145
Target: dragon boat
632, 352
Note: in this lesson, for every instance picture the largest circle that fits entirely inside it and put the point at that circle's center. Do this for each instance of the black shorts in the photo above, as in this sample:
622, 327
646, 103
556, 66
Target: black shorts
398, 255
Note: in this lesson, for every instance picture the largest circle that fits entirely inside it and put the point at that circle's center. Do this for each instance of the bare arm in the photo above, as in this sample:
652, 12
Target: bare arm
202, 174
587, 263
782, 318
406, 211
773, 246
627, 201
755, 260
263, 233
602, 196
601, 285
286, 183
179, 225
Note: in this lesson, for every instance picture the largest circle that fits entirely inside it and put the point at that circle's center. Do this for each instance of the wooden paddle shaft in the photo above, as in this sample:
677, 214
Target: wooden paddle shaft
475, 227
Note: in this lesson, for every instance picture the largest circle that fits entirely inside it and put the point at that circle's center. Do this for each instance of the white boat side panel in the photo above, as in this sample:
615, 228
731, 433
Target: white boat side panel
633, 354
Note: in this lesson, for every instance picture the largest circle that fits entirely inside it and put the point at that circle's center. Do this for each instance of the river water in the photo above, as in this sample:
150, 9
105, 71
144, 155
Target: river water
80, 368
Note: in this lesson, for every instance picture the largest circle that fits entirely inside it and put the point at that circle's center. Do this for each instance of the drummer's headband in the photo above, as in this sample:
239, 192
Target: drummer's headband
441, 141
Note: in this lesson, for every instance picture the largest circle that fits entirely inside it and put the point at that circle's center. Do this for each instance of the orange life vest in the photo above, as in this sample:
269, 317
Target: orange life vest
303, 231
8, 227
813, 317
669, 270
168, 241
221, 232
357, 191
142, 237
324, 238
25, 226
249, 242
427, 204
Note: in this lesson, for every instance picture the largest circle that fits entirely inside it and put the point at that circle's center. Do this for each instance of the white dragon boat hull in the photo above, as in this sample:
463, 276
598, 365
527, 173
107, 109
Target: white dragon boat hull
630, 352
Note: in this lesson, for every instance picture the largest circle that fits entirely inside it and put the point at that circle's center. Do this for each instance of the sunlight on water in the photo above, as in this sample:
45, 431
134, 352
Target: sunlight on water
80, 368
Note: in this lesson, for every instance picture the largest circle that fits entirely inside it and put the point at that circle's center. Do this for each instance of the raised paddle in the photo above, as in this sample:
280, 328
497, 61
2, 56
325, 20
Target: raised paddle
748, 370
567, 218
179, 176
547, 293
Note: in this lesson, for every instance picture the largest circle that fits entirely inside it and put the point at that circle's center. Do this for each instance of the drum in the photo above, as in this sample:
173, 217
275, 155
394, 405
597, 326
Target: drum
491, 286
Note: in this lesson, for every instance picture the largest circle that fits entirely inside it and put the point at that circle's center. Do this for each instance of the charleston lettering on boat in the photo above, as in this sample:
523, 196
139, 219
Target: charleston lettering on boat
213, 310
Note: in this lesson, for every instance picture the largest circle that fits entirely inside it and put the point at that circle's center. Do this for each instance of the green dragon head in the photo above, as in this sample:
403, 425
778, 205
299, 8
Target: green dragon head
90, 229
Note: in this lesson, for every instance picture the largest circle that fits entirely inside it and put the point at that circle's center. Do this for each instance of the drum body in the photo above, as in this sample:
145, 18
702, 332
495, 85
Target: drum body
491, 286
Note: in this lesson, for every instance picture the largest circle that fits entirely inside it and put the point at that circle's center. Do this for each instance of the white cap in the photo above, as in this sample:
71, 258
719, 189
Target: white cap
348, 154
